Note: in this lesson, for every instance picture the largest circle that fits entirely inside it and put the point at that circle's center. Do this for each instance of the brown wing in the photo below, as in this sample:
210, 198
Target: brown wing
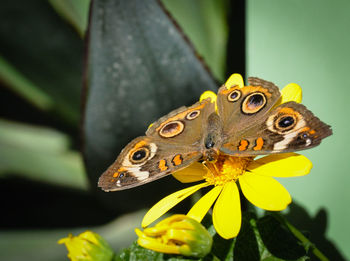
143, 160
184, 125
240, 108
288, 127
170, 144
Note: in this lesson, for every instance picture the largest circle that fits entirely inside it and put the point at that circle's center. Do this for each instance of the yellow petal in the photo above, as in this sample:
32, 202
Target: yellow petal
292, 92
198, 211
264, 192
281, 165
155, 245
192, 173
208, 94
168, 202
227, 216
235, 79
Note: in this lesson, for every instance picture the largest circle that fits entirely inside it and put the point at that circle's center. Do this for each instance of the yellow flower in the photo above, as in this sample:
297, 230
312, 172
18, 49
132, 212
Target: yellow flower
88, 246
255, 177
178, 234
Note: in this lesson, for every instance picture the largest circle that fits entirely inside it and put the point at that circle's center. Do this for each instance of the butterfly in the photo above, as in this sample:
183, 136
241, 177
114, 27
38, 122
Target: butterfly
244, 121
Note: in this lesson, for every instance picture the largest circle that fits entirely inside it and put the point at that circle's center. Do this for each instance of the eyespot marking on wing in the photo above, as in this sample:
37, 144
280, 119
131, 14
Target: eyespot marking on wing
193, 114
139, 155
182, 115
285, 120
234, 95
253, 103
172, 129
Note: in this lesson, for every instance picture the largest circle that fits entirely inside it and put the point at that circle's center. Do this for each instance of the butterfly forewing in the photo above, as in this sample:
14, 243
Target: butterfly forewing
170, 144
240, 108
144, 160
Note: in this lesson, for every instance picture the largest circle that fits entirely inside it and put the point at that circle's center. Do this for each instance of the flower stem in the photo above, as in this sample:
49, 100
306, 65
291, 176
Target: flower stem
301, 237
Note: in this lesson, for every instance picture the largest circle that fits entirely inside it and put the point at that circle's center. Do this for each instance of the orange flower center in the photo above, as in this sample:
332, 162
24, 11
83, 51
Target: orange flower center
225, 169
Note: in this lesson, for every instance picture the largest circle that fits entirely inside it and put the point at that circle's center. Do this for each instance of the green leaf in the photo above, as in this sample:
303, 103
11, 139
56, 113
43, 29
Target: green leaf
73, 11
45, 52
205, 24
246, 246
40, 154
279, 241
135, 252
139, 68
222, 248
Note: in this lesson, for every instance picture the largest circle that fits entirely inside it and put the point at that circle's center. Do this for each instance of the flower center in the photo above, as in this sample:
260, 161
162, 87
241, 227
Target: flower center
225, 169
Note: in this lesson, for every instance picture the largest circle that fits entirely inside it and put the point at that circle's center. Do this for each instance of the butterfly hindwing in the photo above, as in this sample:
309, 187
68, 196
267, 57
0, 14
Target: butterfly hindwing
287, 127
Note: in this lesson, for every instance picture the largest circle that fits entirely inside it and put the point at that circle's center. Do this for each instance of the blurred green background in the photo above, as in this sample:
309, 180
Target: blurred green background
47, 56
307, 42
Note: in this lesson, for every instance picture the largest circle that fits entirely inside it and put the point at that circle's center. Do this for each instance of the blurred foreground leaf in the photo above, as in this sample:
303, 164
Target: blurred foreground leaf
42, 244
24, 87
139, 68
45, 51
40, 154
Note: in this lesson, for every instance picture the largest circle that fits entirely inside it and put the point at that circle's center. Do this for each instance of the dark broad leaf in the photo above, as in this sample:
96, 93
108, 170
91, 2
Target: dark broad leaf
246, 246
45, 50
139, 67
279, 241
222, 248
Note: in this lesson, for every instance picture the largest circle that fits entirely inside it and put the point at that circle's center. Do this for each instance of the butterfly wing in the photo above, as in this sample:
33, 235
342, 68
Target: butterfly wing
267, 128
143, 160
240, 108
288, 127
172, 143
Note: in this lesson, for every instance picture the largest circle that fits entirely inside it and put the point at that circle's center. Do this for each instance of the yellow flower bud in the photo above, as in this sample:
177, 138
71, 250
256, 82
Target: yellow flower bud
178, 234
87, 246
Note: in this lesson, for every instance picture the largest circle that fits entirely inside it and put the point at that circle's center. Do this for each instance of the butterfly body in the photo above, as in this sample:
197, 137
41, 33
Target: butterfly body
244, 121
